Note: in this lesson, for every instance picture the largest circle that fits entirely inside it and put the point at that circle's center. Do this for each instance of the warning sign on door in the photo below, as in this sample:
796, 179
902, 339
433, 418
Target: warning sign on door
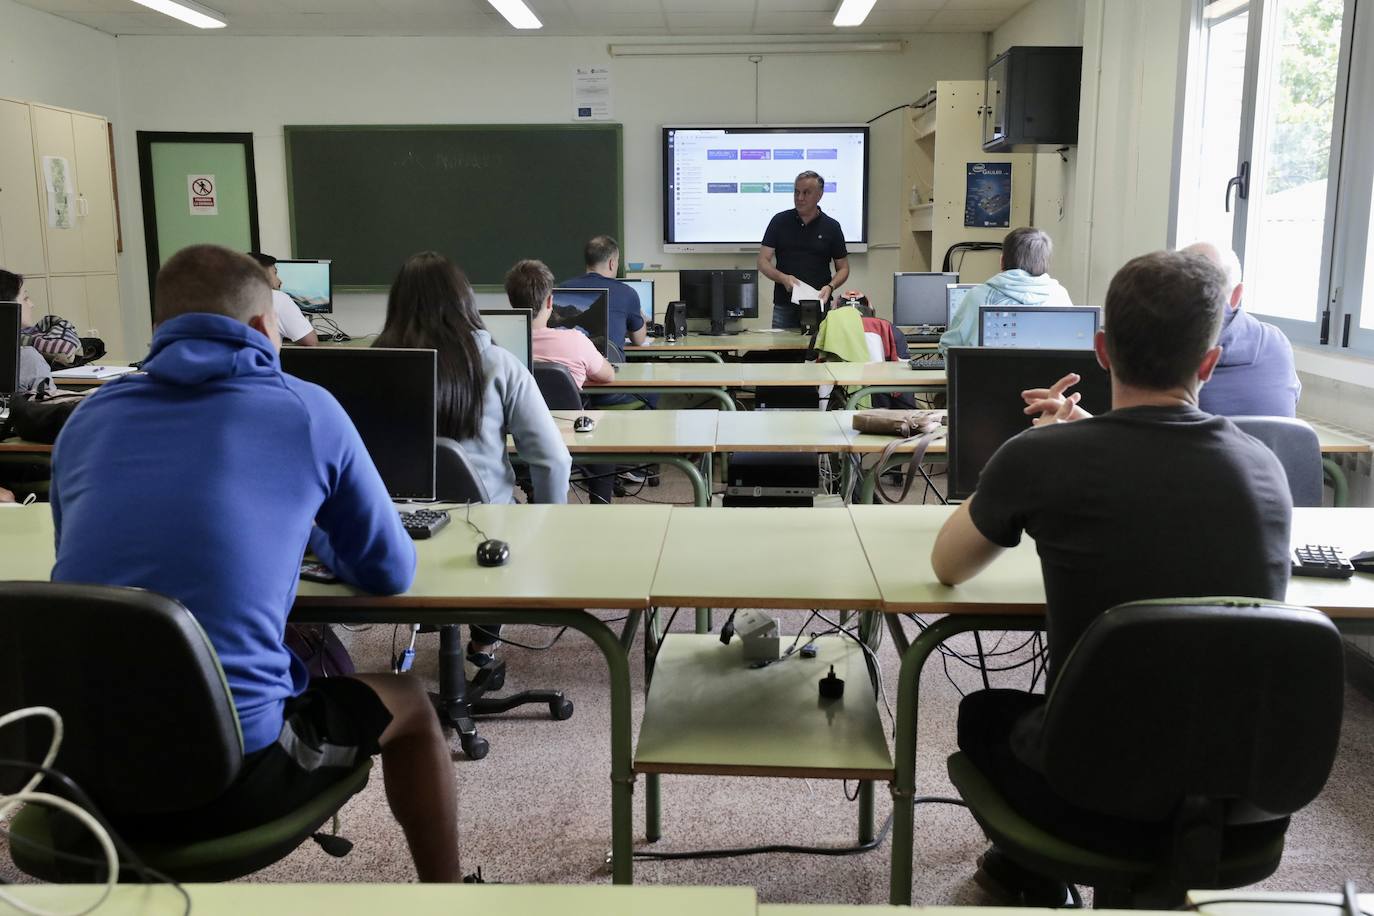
204, 197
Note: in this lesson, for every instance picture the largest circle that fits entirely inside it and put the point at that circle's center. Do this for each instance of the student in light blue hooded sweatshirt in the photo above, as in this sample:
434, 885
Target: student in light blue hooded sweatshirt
1024, 280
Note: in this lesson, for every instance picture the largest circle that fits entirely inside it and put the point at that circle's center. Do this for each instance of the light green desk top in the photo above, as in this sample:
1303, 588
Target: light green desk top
1335, 439
779, 431
716, 375
548, 567
860, 374
709, 712
411, 899
1272, 903
26, 542
768, 558
620, 431
898, 540
742, 342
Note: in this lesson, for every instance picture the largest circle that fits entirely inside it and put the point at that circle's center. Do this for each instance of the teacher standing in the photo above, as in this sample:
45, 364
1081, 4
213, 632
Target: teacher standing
805, 241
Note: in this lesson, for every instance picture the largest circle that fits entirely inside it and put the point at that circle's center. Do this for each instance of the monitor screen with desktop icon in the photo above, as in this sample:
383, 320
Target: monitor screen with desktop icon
1038, 327
954, 294
512, 330
309, 284
644, 289
919, 298
389, 394
586, 311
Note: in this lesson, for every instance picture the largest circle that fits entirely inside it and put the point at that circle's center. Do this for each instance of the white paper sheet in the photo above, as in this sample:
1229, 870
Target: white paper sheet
801, 292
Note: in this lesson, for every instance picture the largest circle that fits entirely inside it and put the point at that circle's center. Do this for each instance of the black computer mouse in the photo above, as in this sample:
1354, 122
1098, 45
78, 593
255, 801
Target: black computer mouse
493, 553
584, 424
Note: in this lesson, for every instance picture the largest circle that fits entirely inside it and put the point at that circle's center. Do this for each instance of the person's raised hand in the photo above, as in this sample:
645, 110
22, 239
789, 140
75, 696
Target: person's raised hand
1052, 404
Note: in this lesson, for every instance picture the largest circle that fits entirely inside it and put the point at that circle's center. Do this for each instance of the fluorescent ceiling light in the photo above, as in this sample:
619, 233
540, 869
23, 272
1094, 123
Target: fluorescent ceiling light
202, 17
517, 14
762, 47
852, 12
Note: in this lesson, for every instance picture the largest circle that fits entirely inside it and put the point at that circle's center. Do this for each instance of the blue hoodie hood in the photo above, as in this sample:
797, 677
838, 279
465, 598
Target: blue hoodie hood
1020, 287
199, 347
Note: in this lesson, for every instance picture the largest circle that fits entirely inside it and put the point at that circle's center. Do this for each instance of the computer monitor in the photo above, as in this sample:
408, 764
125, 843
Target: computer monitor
587, 310
308, 283
1068, 327
511, 330
645, 290
985, 405
918, 299
720, 295
10, 315
954, 294
389, 395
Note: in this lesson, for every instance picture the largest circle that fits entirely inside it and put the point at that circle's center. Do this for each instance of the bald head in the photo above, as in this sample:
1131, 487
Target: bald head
1226, 259
209, 278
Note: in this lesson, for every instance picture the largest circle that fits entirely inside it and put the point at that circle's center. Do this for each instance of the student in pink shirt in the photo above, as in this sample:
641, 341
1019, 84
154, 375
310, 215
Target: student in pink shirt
529, 285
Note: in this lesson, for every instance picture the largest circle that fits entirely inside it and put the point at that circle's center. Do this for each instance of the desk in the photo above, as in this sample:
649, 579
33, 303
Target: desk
876, 378
1337, 440
780, 431
712, 379
1010, 595
411, 899
1272, 903
710, 346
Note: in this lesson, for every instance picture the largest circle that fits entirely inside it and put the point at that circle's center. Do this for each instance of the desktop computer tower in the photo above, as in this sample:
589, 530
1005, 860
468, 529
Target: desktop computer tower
675, 320
761, 479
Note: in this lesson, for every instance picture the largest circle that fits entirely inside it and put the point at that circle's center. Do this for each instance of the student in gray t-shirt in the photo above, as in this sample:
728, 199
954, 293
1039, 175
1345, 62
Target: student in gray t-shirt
1154, 499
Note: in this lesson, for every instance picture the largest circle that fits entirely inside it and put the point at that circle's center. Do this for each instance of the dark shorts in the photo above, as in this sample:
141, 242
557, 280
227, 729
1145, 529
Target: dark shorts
327, 730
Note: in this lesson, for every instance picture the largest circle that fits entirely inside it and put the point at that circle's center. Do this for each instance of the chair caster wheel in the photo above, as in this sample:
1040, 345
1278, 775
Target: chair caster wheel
475, 747
561, 709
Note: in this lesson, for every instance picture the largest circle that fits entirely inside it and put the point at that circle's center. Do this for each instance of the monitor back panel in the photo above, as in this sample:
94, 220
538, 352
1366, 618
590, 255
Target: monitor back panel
511, 330
1038, 327
985, 405
10, 313
389, 394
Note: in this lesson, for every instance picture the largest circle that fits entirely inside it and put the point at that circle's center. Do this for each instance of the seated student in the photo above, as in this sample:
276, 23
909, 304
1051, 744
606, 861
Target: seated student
483, 394
218, 471
602, 257
529, 285
291, 321
1024, 280
1255, 376
33, 368
1154, 499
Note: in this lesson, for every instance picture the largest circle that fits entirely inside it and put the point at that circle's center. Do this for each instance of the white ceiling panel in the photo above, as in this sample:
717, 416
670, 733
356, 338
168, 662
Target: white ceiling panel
967, 20
798, 6
1005, 6
744, 7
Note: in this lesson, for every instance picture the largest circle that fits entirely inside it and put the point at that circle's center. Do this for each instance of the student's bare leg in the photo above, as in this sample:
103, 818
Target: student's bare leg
418, 773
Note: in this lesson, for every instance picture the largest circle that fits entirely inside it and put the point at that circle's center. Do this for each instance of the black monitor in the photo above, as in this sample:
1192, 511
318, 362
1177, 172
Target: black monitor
919, 299
720, 295
985, 405
309, 283
389, 395
1038, 327
587, 310
11, 313
644, 289
511, 330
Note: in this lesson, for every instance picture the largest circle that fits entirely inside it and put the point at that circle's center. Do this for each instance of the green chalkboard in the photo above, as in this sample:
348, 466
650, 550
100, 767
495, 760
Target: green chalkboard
488, 195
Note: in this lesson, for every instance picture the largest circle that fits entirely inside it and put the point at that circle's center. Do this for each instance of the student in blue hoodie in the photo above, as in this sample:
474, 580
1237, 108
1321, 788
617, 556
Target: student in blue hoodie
218, 471
1255, 376
1024, 280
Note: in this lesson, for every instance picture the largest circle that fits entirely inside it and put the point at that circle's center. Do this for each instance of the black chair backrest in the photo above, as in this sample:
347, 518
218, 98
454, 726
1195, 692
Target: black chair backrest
455, 479
1222, 699
1296, 445
149, 723
557, 386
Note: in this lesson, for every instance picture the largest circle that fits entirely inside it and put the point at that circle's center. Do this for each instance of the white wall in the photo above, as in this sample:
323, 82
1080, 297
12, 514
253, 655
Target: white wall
51, 60
1051, 22
259, 84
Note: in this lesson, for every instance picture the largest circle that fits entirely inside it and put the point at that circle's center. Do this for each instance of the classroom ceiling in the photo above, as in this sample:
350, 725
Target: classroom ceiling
630, 18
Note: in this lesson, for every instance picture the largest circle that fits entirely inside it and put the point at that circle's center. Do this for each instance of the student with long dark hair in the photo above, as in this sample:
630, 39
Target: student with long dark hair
483, 393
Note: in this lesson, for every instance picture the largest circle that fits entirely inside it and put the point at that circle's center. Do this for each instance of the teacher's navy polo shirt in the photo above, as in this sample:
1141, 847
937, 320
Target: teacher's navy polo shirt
804, 250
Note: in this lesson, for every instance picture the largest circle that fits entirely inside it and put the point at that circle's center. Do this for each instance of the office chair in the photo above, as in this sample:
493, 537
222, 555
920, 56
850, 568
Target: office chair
150, 729
457, 481
1298, 450
561, 393
1181, 734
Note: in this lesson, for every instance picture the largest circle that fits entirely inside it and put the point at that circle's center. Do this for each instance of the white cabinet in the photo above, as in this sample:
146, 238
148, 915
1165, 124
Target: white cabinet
90, 302
38, 291
21, 221
67, 297
96, 193
56, 150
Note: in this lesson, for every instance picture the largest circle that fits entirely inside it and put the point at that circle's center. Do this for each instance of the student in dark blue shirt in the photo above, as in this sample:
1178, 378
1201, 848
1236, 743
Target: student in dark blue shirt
602, 256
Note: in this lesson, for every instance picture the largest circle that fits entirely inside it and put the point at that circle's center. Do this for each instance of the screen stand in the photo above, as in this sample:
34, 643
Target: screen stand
717, 303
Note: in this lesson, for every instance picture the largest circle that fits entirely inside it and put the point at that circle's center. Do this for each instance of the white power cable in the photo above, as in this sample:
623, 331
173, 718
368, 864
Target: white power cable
28, 796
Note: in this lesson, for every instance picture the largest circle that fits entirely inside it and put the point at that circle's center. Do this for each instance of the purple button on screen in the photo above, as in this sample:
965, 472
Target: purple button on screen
722, 187
722, 154
753, 154
788, 154
822, 154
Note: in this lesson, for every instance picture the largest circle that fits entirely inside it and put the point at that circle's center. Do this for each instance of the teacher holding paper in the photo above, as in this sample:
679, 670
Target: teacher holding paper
804, 240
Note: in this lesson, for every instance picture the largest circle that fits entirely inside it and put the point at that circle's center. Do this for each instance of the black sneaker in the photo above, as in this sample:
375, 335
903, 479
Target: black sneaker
484, 673
1012, 884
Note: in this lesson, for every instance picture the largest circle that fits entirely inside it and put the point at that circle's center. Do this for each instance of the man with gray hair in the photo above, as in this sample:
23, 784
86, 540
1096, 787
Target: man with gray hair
804, 241
1255, 376
1025, 280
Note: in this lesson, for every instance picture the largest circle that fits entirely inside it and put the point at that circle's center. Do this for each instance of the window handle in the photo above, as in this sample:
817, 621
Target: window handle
1240, 183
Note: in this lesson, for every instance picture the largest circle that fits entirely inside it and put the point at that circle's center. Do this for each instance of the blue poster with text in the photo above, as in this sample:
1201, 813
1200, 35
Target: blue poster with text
987, 201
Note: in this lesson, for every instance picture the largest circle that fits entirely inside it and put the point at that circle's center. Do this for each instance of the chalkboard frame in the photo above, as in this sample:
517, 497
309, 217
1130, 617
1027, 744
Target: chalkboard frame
613, 127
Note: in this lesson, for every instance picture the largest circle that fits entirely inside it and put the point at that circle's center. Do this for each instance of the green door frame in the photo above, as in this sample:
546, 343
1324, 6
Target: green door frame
146, 139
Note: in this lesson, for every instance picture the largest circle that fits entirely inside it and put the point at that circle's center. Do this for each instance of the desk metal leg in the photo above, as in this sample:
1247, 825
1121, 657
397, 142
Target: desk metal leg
1340, 488
720, 394
852, 401
701, 489
661, 356
653, 799
904, 747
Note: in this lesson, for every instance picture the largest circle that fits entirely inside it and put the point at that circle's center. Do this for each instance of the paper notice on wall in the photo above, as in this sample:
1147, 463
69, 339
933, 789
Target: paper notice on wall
591, 93
57, 176
200, 191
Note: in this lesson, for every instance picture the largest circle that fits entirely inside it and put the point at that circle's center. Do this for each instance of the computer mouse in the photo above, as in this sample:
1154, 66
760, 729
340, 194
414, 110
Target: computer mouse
493, 553
584, 424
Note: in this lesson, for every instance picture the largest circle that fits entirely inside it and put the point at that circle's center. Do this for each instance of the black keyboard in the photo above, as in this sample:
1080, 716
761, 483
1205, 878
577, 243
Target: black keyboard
1322, 561
423, 523
922, 338
928, 361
